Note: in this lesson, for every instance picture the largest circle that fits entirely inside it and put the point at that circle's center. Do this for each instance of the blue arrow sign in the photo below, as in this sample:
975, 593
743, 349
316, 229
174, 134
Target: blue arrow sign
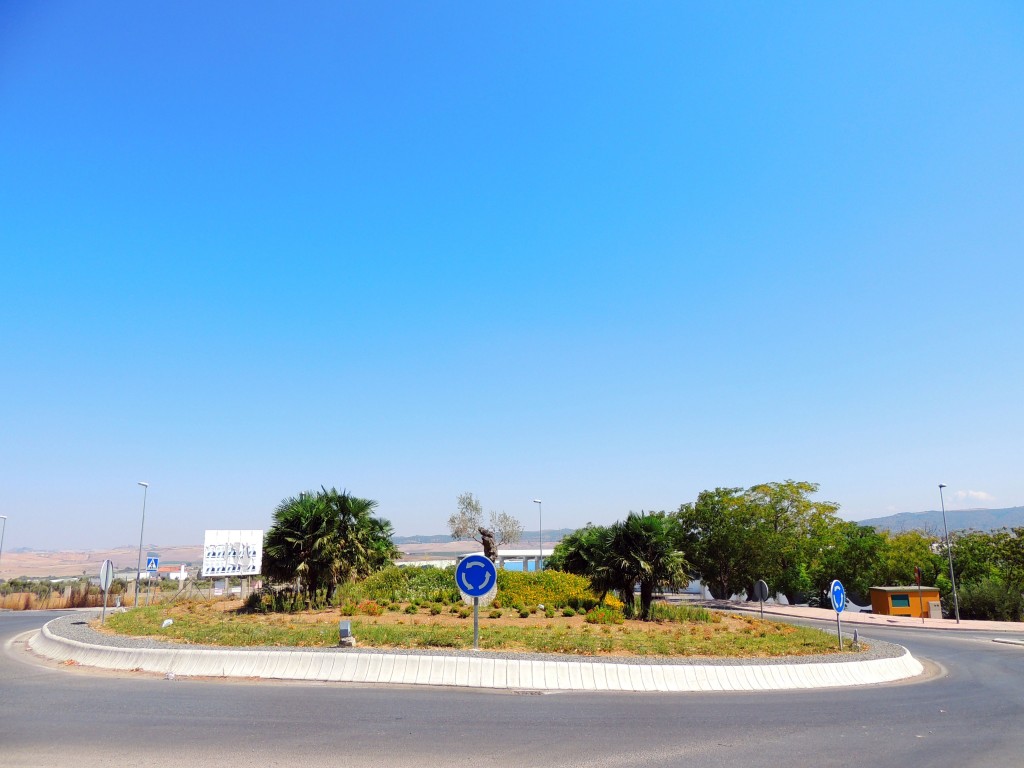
476, 575
152, 563
838, 594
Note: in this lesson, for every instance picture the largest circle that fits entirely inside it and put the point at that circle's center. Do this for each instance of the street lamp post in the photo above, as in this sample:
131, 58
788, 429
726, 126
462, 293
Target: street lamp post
138, 568
540, 535
949, 551
2, 532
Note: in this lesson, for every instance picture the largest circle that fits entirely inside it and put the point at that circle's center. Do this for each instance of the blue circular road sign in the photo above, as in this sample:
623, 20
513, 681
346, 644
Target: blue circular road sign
838, 593
476, 575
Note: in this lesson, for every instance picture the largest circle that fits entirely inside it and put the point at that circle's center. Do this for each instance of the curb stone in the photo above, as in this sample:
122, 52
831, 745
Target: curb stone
475, 671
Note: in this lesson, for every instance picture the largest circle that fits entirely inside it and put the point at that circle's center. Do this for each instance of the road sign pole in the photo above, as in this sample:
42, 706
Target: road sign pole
839, 631
476, 623
103, 615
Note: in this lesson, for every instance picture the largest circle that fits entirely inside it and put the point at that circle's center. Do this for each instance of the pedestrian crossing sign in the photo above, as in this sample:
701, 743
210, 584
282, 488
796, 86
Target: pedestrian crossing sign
152, 563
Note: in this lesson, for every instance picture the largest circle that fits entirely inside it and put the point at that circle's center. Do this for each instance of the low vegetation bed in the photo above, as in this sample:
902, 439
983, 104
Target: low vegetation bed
678, 631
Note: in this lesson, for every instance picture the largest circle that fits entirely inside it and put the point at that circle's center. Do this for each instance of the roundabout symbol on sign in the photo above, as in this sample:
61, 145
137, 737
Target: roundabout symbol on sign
476, 575
838, 596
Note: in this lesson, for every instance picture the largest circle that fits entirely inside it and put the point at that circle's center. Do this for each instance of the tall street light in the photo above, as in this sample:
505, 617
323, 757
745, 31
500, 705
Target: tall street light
540, 535
138, 568
949, 551
2, 532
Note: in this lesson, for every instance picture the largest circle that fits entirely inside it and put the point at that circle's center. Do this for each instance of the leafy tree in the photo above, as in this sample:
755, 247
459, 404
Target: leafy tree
467, 523
901, 552
848, 552
791, 531
320, 539
722, 550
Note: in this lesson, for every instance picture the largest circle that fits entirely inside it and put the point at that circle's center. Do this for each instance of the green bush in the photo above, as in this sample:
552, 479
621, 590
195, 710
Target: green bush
435, 610
495, 614
552, 588
411, 609
568, 612
524, 613
464, 613
549, 613
989, 599
400, 585
680, 613
604, 615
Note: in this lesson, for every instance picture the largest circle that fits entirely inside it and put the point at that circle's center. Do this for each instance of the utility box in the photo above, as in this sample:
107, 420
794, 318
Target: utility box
905, 601
934, 609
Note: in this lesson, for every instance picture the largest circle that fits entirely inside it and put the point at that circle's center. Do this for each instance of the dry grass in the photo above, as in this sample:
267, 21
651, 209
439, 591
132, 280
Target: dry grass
729, 635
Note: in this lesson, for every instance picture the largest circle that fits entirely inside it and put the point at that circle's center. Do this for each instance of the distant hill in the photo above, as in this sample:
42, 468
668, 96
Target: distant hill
550, 535
959, 520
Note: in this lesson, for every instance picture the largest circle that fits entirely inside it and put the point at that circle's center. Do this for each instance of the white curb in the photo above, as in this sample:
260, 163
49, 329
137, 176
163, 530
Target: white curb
476, 672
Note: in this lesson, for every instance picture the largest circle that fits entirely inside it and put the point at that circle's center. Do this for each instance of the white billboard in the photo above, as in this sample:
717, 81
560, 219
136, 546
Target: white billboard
232, 553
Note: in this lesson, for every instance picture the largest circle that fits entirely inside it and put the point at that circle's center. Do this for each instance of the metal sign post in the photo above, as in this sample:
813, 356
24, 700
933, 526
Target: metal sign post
838, 594
106, 578
920, 595
762, 593
476, 577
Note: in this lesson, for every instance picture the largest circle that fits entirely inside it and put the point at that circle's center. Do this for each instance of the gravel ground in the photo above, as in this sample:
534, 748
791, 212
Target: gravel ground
75, 626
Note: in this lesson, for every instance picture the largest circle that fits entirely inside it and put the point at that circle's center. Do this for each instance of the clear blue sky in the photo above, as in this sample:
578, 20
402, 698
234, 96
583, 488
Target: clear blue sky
602, 255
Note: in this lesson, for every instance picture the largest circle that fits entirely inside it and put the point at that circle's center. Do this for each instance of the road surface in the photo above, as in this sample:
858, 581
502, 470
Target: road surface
968, 714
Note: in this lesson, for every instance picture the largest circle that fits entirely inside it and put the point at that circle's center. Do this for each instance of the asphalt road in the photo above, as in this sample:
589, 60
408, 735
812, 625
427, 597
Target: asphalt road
969, 714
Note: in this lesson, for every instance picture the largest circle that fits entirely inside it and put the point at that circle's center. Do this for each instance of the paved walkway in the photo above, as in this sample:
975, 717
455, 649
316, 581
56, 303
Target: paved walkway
479, 671
852, 617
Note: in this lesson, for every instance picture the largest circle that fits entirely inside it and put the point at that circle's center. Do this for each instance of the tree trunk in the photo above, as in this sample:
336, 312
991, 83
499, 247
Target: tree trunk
646, 598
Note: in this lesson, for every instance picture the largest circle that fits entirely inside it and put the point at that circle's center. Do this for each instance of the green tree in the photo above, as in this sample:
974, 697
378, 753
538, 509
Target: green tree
901, 552
585, 552
646, 549
722, 541
791, 531
848, 552
320, 539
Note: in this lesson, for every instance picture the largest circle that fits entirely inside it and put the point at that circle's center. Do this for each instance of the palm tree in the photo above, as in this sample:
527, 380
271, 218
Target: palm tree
585, 552
301, 544
323, 538
645, 549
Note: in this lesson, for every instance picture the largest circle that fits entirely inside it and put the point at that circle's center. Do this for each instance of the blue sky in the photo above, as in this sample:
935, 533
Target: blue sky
601, 255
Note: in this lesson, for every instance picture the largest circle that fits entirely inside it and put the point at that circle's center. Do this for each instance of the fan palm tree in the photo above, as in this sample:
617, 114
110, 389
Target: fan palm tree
645, 549
323, 538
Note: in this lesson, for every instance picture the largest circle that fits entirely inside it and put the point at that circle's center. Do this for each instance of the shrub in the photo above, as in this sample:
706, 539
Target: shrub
411, 608
568, 612
604, 615
495, 614
680, 613
524, 613
370, 608
348, 609
544, 587
988, 599
549, 613
464, 613
435, 610
427, 584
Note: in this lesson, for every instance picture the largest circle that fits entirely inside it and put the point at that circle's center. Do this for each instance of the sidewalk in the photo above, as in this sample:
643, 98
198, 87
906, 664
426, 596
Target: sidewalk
852, 616
472, 670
